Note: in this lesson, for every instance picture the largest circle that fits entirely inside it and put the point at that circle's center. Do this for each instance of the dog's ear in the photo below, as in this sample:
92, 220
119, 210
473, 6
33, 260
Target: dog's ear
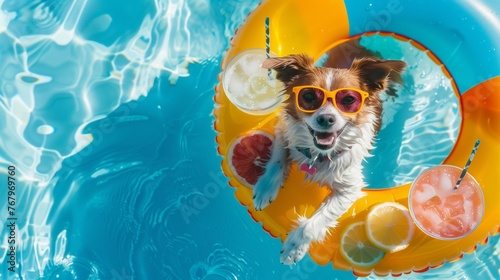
376, 73
290, 67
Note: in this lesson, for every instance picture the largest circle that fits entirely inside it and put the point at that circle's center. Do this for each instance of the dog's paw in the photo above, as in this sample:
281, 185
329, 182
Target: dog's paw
295, 247
264, 195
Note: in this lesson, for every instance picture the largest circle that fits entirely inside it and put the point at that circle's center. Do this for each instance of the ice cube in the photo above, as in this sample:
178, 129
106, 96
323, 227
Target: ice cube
445, 183
238, 69
455, 205
467, 220
259, 85
434, 178
478, 212
452, 228
435, 216
251, 64
427, 192
469, 217
237, 86
434, 201
466, 190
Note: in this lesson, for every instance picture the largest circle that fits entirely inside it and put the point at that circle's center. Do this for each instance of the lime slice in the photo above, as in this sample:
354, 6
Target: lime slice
357, 248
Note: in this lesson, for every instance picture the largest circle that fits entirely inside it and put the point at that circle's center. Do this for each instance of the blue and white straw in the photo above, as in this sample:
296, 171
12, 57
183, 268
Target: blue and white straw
268, 44
471, 157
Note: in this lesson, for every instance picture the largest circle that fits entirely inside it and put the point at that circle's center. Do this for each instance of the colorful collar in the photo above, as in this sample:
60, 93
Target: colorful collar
307, 153
309, 168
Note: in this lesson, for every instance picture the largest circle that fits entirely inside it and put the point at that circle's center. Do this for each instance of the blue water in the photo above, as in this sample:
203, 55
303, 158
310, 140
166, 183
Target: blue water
106, 113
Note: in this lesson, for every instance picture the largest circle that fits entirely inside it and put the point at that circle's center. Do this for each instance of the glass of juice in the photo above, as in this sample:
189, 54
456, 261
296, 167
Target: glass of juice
249, 86
439, 210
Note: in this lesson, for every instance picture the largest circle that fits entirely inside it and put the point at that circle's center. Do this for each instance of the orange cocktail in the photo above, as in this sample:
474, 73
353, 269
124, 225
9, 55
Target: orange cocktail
441, 211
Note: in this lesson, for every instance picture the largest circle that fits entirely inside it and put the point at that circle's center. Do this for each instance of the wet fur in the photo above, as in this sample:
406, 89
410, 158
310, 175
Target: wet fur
343, 174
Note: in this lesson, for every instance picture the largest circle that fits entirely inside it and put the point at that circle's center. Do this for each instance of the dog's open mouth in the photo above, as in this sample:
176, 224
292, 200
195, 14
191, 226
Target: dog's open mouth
324, 140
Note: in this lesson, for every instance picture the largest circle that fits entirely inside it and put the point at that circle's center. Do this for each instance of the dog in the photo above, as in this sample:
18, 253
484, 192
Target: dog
328, 123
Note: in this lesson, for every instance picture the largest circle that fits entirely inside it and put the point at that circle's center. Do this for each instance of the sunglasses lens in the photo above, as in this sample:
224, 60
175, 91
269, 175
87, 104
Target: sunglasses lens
348, 101
310, 98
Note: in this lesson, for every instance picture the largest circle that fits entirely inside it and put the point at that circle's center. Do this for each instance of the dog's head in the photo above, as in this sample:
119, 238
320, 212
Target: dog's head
356, 102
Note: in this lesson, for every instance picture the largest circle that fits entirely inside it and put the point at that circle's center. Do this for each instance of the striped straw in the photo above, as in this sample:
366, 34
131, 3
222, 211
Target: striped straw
471, 157
268, 44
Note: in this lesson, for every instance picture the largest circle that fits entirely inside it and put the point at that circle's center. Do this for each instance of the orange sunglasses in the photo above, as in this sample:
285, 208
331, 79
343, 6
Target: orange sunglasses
346, 100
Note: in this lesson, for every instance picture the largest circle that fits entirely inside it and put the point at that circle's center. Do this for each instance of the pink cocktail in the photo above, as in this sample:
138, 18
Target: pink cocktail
441, 211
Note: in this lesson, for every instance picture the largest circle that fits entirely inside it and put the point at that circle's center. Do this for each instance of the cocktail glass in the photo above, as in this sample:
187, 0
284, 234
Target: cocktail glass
251, 88
441, 211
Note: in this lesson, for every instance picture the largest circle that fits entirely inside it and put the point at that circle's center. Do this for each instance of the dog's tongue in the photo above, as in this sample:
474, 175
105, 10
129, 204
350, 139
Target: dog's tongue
324, 138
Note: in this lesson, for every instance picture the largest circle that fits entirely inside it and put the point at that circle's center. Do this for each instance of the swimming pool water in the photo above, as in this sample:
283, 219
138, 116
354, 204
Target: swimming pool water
105, 111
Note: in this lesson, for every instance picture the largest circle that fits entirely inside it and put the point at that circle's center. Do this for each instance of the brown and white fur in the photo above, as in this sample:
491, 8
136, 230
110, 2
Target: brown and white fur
353, 138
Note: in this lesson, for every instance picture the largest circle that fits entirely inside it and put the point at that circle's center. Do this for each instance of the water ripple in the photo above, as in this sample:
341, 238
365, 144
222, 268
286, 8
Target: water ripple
223, 263
36, 17
99, 76
419, 126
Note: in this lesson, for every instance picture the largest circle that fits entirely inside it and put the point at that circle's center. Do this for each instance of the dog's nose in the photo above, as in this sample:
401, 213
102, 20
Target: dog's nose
326, 120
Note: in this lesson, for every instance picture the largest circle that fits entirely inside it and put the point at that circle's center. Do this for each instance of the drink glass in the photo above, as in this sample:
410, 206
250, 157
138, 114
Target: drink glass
249, 86
442, 212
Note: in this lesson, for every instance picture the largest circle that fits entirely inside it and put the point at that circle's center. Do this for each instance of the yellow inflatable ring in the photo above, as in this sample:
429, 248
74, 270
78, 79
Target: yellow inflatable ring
313, 27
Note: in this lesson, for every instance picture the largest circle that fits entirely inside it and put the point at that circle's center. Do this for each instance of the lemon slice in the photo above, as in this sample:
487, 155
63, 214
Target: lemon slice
357, 248
389, 226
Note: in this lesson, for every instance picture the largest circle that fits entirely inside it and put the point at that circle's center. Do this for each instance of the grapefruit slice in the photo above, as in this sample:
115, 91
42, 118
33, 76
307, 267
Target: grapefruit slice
248, 156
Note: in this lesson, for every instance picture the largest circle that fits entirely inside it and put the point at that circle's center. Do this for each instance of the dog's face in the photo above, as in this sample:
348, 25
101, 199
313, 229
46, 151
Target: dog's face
325, 124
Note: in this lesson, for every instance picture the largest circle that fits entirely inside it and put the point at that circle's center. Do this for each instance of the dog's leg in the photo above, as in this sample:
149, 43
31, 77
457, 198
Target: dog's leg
268, 186
315, 228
